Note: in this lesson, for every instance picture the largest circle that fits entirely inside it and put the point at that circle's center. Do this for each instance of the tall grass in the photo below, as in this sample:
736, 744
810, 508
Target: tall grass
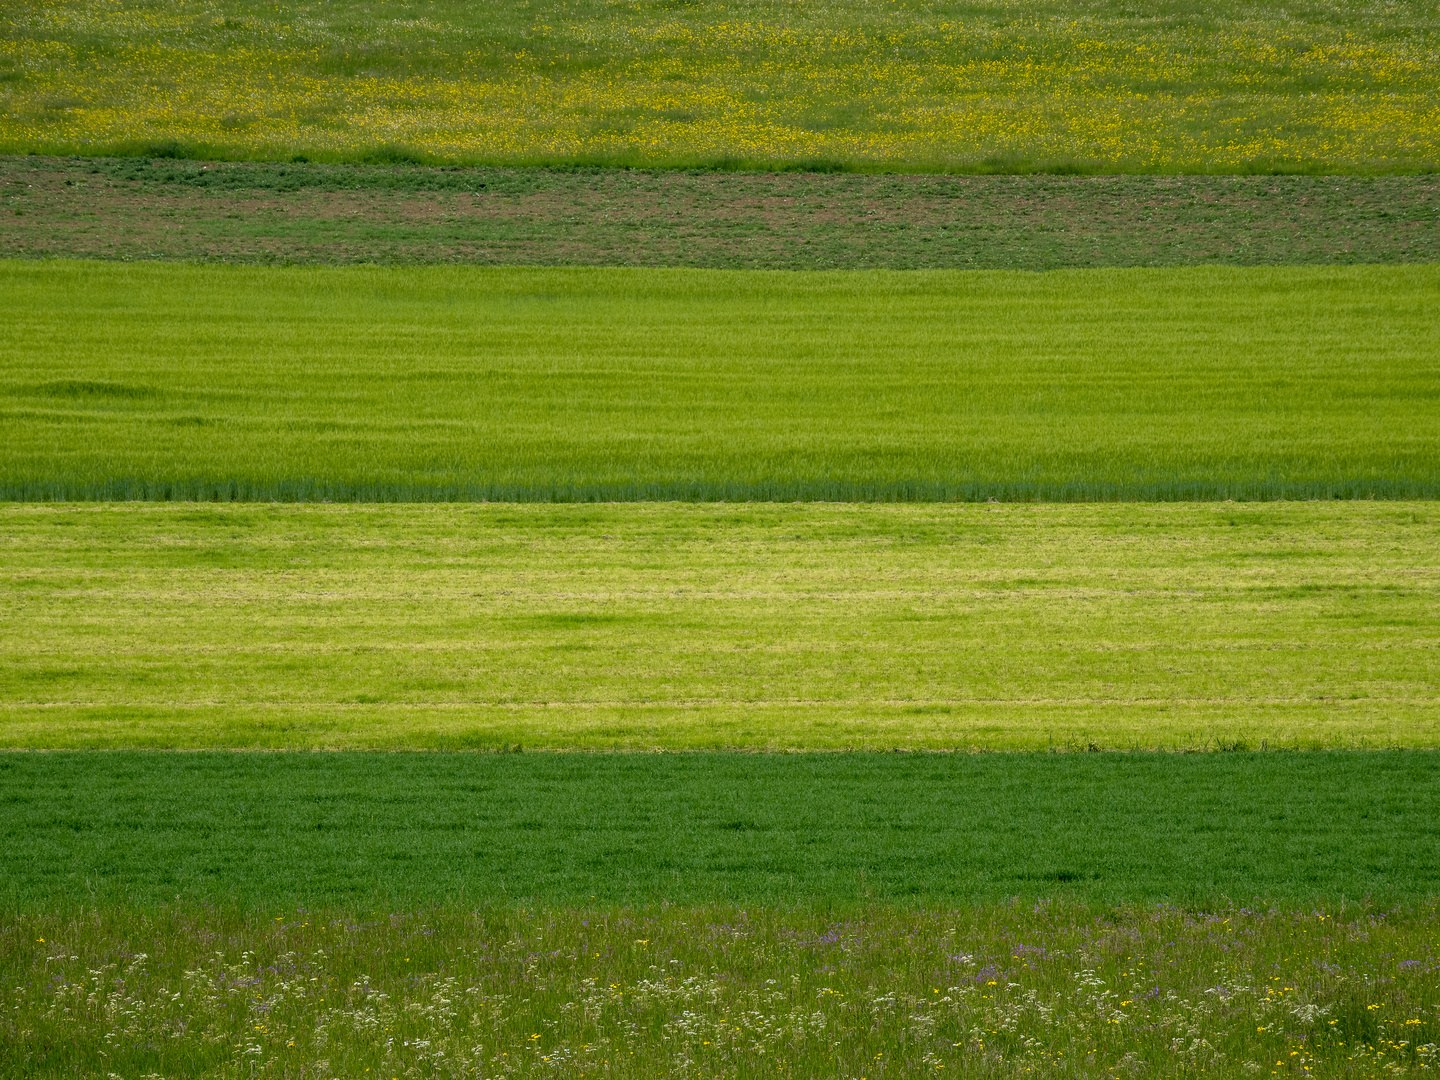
1009, 991
221, 384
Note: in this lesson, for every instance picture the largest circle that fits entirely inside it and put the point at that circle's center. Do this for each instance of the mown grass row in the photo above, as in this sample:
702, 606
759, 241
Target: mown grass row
714, 626
224, 383
1053, 990
309, 490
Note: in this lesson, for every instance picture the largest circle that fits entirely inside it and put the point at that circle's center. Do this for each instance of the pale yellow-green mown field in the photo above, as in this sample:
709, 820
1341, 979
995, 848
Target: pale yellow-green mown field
1155, 86
687, 626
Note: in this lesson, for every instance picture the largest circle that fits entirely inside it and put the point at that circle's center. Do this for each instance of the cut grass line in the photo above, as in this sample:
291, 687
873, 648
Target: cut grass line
913, 704
685, 626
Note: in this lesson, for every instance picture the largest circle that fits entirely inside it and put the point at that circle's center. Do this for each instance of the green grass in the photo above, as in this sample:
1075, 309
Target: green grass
374, 830
980, 86
185, 382
1057, 990
327, 214
434, 915
703, 626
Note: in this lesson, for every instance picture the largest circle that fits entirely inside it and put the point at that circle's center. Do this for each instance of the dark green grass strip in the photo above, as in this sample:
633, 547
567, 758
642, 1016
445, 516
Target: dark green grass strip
601, 829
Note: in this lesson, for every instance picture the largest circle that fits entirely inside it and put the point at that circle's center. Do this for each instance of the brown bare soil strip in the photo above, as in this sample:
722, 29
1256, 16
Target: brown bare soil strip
349, 214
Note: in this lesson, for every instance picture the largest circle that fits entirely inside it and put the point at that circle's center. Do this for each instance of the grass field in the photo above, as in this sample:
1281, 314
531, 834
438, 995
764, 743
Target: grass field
810, 830
184, 382
1111, 86
206, 211
655, 491
639, 626
1056, 990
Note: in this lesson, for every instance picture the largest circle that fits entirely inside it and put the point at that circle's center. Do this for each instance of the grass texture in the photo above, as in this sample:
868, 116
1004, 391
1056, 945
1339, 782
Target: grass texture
588, 830
698, 626
211, 382
980, 86
1012, 991
268, 213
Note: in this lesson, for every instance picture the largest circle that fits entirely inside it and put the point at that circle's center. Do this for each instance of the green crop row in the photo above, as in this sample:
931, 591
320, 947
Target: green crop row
592, 830
370, 384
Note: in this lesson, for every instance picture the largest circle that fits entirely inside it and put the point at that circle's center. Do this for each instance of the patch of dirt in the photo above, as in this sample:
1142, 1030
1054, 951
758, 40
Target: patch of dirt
73, 207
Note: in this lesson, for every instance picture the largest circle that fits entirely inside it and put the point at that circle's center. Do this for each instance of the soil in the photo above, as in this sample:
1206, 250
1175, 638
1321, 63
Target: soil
301, 213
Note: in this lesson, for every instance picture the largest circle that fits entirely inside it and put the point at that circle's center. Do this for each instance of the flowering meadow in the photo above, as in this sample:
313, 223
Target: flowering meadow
879, 84
1001, 991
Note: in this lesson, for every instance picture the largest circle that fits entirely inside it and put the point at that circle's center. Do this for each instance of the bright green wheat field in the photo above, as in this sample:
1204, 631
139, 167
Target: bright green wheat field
212, 382
1160, 86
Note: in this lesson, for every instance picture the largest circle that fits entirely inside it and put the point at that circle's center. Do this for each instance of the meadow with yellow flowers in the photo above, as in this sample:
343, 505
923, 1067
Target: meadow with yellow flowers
869, 84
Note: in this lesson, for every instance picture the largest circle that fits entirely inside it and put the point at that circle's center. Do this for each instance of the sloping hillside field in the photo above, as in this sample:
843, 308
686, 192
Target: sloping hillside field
222, 383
